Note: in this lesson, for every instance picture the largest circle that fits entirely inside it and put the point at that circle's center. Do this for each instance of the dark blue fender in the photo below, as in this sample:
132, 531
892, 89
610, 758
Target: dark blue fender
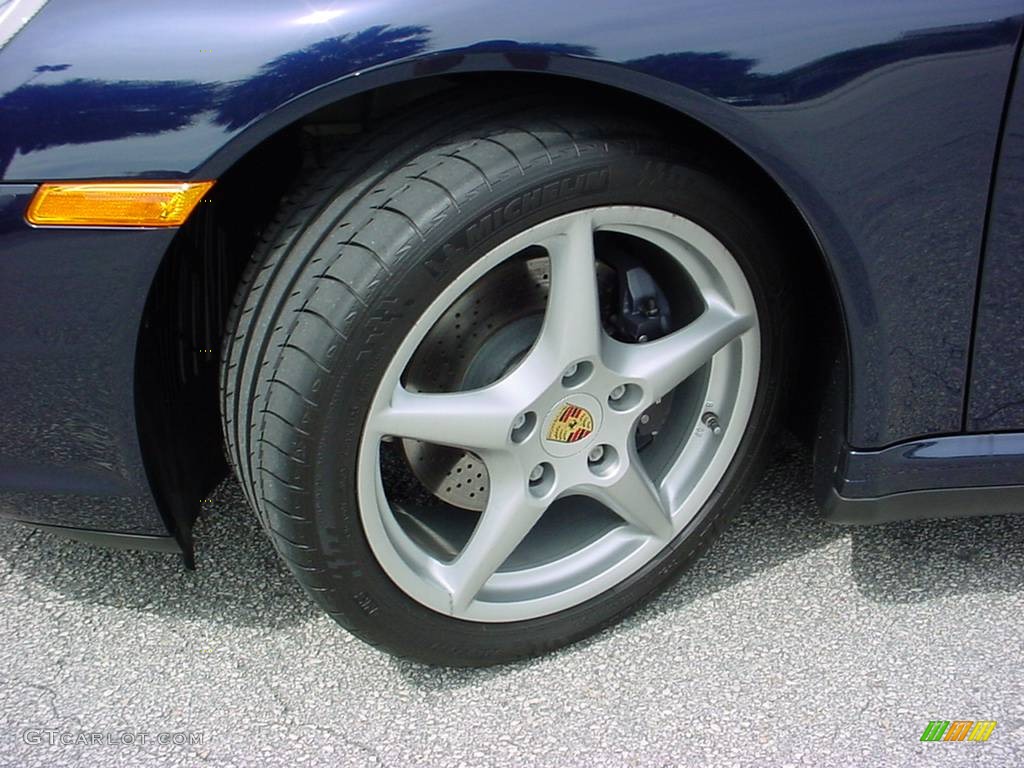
997, 373
69, 444
880, 120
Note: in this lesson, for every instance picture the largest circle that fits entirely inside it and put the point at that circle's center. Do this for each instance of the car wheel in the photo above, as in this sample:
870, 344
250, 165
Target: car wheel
497, 375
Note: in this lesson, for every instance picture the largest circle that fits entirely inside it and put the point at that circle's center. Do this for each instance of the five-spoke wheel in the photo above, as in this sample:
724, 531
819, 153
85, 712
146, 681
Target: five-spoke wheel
500, 372
583, 393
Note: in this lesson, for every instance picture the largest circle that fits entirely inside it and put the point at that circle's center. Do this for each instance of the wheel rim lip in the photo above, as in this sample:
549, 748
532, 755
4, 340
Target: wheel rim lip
732, 379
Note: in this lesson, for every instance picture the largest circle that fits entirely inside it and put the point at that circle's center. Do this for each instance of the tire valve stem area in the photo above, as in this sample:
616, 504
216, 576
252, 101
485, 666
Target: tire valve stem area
711, 421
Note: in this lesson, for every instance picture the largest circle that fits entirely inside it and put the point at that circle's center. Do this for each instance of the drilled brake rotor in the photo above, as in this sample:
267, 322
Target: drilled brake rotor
477, 341
481, 336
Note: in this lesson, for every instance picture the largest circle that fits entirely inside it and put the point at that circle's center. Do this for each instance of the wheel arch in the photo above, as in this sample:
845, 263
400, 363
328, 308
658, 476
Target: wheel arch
204, 263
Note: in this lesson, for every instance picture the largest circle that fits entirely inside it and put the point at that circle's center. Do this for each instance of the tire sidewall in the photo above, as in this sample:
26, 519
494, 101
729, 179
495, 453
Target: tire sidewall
357, 590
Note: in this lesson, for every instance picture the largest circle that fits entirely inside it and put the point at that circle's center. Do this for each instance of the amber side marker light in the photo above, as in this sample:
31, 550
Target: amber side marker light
115, 204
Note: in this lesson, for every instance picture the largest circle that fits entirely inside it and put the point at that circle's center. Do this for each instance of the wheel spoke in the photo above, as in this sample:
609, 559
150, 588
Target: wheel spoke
663, 364
572, 320
516, 565
479, 419
636, 500
510, 514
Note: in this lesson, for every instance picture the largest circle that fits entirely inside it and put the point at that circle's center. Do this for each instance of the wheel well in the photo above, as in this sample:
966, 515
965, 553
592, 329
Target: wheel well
183, 322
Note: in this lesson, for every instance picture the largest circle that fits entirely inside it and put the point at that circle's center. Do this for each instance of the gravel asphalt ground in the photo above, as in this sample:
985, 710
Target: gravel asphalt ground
794, 642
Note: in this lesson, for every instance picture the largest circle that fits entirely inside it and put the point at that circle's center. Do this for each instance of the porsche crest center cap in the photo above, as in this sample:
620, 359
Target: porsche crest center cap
570, 425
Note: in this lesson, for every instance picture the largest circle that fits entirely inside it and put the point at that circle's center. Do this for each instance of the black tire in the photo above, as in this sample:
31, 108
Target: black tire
357, 253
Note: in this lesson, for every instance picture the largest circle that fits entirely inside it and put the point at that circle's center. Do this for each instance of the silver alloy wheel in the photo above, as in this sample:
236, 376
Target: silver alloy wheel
719, 351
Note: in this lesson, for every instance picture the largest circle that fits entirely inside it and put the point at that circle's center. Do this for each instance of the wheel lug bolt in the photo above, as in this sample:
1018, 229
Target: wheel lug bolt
596, 454
571, 371
536, 473
522, 426
645, 419
618, 392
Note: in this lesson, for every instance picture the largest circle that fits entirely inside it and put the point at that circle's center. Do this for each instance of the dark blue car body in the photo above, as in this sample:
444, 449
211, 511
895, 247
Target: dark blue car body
896, 130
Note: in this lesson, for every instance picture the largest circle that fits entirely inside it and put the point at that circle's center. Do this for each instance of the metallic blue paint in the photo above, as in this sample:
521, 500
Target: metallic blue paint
880, 120
69, 446
955, 461
915, 505
997, 374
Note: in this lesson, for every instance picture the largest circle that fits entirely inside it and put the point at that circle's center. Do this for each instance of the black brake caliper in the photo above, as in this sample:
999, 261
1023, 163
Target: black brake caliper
637, 311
